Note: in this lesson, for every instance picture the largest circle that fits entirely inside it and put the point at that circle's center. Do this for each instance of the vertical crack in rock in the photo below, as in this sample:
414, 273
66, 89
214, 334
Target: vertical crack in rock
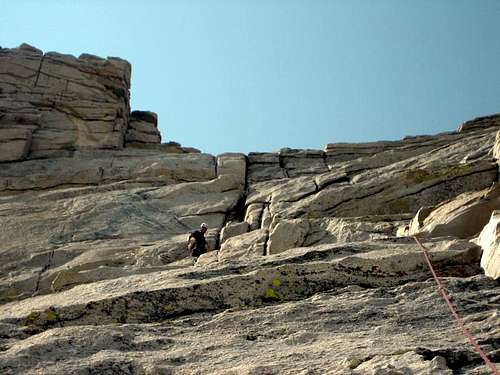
247, 183
216, 166
266, 240
218, 238
237, 212
316, 186
261, 215
266, 211
44, 269
39, 71
240, 208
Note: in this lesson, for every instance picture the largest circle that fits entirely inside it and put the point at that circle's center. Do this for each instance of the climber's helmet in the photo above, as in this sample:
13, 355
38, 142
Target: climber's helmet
203, 227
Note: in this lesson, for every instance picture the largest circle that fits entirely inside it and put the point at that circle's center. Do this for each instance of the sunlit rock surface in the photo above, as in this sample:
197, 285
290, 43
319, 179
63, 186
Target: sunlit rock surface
310, 269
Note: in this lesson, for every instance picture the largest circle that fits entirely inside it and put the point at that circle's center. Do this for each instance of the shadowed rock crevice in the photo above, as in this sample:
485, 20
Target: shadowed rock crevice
456, 360
38, 71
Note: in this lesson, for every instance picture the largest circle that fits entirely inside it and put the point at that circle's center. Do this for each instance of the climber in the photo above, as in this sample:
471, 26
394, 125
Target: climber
197, 242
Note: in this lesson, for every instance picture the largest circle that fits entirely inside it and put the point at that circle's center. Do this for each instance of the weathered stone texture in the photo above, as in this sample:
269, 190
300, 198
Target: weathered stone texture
143, 128
463, 217
304, 273
65, 102
15, 143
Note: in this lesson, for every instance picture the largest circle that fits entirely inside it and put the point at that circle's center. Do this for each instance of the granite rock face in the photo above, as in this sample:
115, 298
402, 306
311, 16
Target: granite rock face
350, 330
310, 268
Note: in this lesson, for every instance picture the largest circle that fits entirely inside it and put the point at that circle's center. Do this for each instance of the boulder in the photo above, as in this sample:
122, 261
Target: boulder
287, 190
263, 158
134, 135
253, 215
245, 246
233, 229
265, 172
285, 163
264, 166
496, 147
489, 240
145, 116
287, 234
418, 221
207, 258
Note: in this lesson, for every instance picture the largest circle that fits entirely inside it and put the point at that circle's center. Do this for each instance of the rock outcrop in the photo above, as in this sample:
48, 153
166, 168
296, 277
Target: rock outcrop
489, 239
143, 128
64, 103
462, 217
310, 267
52, 105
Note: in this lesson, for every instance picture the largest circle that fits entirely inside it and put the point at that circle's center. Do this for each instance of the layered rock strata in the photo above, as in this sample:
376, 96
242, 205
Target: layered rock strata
143, 128
64, 103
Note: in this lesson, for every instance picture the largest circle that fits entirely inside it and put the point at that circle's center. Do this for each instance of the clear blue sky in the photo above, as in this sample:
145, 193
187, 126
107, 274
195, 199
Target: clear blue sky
258, 75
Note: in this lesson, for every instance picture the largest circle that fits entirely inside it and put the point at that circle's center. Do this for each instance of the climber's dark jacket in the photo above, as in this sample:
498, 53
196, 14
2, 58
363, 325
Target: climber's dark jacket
199, 246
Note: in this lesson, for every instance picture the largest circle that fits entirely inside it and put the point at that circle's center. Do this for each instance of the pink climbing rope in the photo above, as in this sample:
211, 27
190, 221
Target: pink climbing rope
459, 320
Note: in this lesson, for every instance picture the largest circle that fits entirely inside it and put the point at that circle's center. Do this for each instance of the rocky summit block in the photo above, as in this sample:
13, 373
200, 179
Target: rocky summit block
63, 101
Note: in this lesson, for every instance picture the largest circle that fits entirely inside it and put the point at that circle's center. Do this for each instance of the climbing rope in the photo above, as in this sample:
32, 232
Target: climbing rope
459, 320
